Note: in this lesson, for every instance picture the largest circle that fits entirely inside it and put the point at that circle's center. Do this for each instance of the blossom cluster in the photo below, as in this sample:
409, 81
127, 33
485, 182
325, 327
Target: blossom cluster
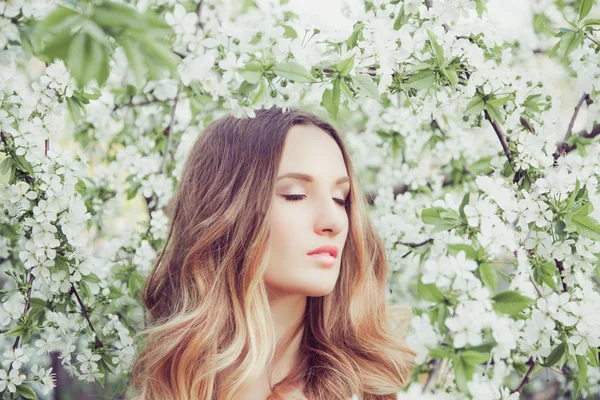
485, 189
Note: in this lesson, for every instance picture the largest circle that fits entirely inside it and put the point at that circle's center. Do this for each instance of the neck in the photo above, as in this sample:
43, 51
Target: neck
288, 315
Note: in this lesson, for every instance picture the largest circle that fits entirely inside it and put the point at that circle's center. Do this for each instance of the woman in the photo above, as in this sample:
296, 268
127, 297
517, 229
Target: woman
272, 281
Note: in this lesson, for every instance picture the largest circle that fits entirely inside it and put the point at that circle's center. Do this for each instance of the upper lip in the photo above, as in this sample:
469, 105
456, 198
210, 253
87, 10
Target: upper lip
333, 250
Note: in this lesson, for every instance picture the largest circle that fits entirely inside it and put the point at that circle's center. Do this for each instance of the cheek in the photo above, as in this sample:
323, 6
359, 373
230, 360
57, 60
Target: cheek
287, 230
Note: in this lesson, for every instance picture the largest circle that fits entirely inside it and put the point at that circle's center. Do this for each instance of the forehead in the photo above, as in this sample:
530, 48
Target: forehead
311, 150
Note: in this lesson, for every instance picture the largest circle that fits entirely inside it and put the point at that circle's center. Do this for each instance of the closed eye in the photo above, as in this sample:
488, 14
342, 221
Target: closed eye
295, 197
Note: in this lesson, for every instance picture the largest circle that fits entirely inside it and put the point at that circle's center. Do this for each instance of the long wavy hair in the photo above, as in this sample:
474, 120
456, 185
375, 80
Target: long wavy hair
206, 296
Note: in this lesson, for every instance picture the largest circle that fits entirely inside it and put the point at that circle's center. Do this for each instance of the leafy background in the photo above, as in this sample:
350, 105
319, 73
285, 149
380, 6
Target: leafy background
473, 125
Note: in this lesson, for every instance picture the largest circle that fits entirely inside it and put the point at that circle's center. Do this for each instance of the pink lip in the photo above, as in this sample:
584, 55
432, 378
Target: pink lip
332, 250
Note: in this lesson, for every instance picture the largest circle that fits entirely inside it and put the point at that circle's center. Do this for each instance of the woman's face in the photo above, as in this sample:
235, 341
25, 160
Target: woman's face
314, 220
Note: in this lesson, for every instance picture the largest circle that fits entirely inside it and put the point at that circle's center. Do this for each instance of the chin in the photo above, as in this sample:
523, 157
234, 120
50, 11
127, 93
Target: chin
319, 292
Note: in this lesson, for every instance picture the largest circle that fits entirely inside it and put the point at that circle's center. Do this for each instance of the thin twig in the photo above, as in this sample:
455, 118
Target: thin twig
525, 378
526, 124
562, 147
84, 310
537, 289
25, 311
415, 244
588, 135
432, 374
500, 135
168, 132
561, 268
31, 276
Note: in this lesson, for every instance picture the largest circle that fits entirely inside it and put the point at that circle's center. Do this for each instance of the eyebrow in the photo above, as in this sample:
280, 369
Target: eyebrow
308, 178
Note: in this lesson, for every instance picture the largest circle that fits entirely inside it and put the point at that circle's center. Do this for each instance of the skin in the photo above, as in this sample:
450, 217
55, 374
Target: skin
298, 227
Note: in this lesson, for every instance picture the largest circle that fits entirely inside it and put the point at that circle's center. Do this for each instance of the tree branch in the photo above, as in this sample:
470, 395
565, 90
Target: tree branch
84, 310
415, 244
526, 124
561, 268
25, 311
167, 132
432, 374
500, 135
526, 377
562, 147
595, 132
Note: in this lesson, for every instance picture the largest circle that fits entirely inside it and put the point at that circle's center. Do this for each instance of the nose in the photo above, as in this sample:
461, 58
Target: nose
330, 217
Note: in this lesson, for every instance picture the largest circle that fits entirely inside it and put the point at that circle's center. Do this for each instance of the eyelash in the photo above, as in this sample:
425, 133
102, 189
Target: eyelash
295, 197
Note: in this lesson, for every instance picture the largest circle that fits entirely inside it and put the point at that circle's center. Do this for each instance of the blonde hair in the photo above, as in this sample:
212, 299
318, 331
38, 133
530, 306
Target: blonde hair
206, 297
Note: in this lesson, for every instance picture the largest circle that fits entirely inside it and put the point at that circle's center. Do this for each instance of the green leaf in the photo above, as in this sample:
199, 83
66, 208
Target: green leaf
480, 7
463, 372
294, 72
573, 195
133, 190
584, 10
260, 92
345, 89
366, 85
6, 165
76, 109
23, 164
568, 43
401, 19
586, 226
117, 16
437, 49
135, 58
87, 60
439, 353
451, 75
499, 101
532, 103
80, 186
429, 292
585, 209
475, 106
91, 277
94, 30
547, 272
289, 32
463, 203
555, 355
592, 354
26, 391
441, 218
331, 99
158, 52
16, 331
495, 113
345, 66
432, 216
589, 22
352, 40
84, 290
511, 302
582, 368
134, 283
483, 348
455, 248
421, 80
472, 357
489, 276
252, 72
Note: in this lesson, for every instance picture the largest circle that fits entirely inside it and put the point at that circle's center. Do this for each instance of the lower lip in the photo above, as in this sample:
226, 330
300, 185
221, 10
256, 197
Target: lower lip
325, 260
